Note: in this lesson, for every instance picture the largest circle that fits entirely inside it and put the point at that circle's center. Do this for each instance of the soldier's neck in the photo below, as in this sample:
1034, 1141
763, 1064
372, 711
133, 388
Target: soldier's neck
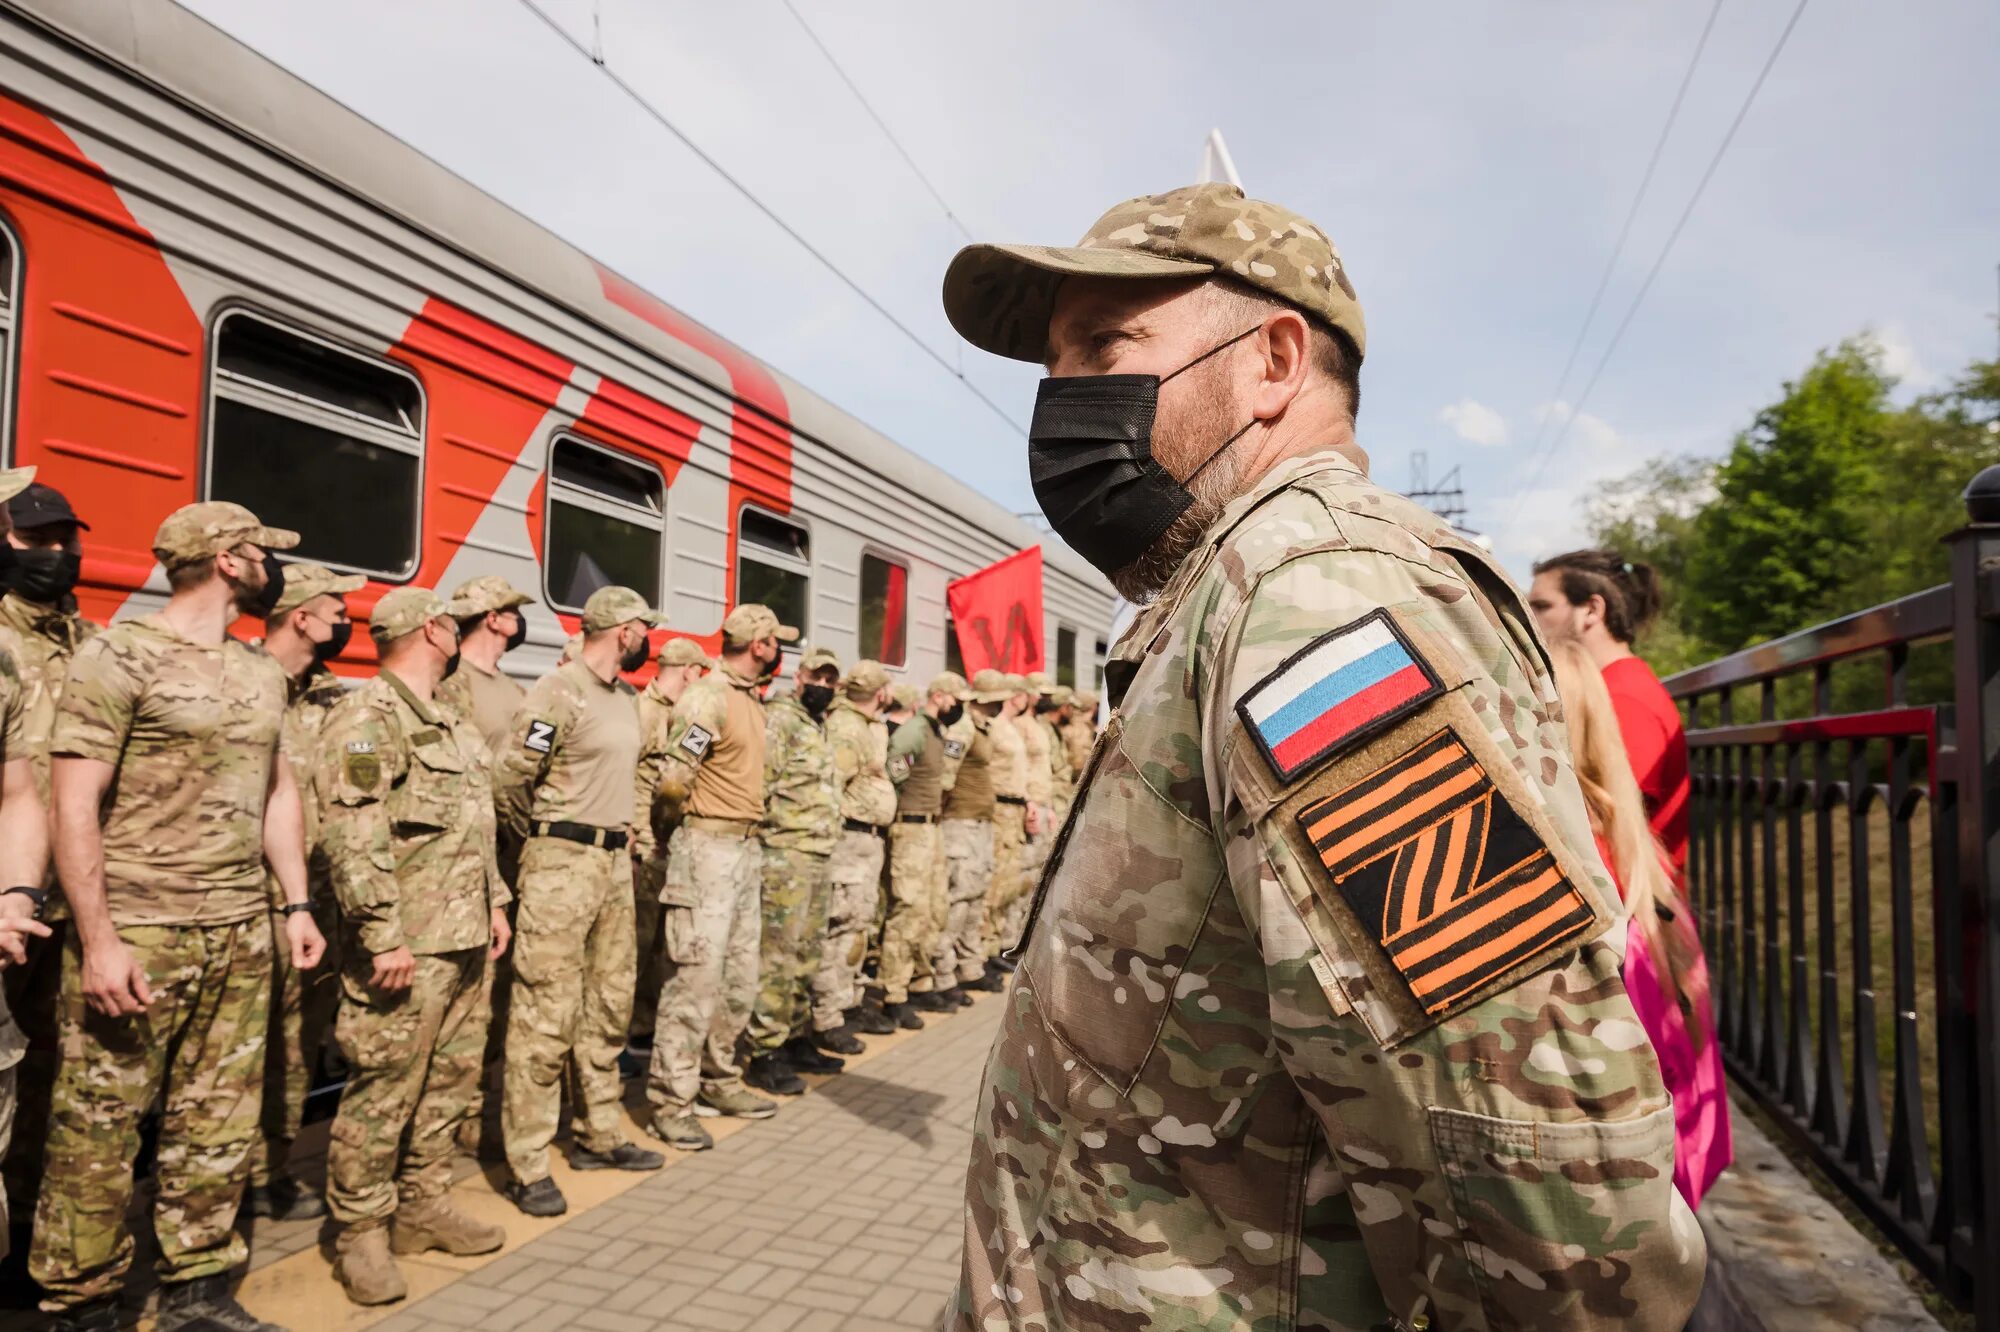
202, 614
482, 651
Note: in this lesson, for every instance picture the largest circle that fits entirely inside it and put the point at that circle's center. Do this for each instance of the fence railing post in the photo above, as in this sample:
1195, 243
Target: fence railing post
1975, 553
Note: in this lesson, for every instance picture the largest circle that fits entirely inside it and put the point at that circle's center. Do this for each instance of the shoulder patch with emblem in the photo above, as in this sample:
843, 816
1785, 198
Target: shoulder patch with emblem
954, 749
1333, 691
696, 739
1457, 888
899, 767
361, 766
541, 736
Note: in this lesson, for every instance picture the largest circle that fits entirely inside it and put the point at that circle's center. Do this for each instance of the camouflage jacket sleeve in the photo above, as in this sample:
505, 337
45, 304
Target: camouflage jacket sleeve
360, 757
653, 713
545, 716
957, 739
781, 736
906, 746
1426, 884
847, 732
98, 699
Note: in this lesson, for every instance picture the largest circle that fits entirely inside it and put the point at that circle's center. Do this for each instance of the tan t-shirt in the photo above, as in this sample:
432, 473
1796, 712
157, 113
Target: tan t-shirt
192, 731
1035, 739
488, 699
570, 754
1009, 758
716, 741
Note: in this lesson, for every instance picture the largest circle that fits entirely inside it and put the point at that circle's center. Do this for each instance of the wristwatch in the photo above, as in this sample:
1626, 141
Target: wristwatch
293, 908
39, 896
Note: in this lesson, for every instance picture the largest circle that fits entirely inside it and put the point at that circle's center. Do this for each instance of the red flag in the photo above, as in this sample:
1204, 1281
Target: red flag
997, 613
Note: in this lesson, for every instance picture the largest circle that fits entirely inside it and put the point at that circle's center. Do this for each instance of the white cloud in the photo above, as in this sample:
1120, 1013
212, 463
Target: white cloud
1899, 358
1476, 423
1587, 433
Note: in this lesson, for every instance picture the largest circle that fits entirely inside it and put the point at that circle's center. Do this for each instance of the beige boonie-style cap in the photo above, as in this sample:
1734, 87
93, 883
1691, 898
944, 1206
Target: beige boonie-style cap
303, 582
990, 686
1000, 297
1018, 684
199, 531
14, 480
819, 658
904, 696
489, 592
612, 606
403, 610
1085, 700
865, 677
751, 621
1063, 695
952, 683
683, 652
1039, 682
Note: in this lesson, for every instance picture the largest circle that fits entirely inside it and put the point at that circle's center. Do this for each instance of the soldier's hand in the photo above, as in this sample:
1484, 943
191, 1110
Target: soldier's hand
14, 934
1034, 823
113, 983
503, 934
308, 944
394, 970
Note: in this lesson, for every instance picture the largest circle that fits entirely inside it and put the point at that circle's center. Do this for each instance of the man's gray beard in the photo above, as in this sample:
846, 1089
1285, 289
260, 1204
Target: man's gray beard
1144, 578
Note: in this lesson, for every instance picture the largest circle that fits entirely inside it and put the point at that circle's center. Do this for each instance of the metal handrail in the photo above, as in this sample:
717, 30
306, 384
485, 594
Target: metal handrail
1912, 619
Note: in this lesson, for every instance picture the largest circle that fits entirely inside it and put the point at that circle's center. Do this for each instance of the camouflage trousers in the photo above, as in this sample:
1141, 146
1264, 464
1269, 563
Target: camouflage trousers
302, 1008
572, 998
853, 874
34, 994
916, 911
415, 1061
198, 1053
1009, 838
960, 954
648, 877
710, 927
6, 1137
794, 909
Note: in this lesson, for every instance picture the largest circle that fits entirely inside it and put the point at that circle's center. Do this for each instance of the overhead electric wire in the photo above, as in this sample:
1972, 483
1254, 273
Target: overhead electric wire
1660, 262
659, 117
1631, 216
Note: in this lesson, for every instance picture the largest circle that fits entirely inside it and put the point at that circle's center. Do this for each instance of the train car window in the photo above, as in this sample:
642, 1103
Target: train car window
311, 436
774, 565
885, 610
1097, 676
607, 516
1065, 656
9, 270
954, 660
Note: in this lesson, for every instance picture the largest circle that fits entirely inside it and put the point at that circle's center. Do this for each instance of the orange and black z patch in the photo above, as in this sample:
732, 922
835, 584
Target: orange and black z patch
1456, 885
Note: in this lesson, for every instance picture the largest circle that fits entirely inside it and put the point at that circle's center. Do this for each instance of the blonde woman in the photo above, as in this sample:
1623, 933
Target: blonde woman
1664, 968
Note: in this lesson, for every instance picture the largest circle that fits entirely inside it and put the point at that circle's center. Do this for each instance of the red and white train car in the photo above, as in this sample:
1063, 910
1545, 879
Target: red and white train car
217, 282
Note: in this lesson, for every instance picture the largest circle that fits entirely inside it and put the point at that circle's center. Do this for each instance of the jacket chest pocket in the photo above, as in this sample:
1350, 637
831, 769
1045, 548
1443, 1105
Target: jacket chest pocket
1125, 896
432, 796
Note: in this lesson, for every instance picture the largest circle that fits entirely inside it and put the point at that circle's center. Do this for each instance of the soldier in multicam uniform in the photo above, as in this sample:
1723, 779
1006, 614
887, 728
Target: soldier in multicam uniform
1007, 894
967, 834
712, 779
1050, 700
563, 786
409, 840
170, 800
305, 630
1041, 824
916, 858
860, 742
24, 843
680, 663
45, 556
1315, 1024
1079, 732
801, 825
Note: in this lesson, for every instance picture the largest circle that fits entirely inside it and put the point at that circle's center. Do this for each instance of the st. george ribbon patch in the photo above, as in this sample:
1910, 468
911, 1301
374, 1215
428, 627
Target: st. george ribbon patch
1333, 691
1455, 885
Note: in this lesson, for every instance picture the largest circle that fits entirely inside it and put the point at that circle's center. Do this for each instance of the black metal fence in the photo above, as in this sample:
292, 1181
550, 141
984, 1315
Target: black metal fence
1844, 850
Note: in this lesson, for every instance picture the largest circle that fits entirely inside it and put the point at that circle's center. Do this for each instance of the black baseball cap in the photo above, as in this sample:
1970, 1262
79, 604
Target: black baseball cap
42, 506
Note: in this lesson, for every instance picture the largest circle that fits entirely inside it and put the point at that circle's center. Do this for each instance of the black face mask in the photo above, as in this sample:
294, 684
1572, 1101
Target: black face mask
520, 634
1090, 456
336, 641
816, 699
261, 601
41, 576
636, 658
950, 716
450, 665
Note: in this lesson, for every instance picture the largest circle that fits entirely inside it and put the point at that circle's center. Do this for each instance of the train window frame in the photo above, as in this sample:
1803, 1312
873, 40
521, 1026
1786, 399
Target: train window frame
10, 323
411, 440
1066, 660
786, 563
894, 559
568, 492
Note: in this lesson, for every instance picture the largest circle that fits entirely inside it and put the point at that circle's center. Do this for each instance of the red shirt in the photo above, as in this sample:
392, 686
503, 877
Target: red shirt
1656, 743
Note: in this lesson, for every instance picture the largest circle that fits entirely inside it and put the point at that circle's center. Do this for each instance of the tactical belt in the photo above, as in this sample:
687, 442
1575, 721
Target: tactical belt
709, 823
1012, 800
857, 825
611, 839
916, 818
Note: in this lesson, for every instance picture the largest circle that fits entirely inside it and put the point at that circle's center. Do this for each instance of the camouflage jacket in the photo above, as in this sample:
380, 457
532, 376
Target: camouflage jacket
1077, 738
1315, 1025
312, 699
16, 742
49, 638
801, 802
1062, 777
1010, 758
1040, 767
408, 832
861, 763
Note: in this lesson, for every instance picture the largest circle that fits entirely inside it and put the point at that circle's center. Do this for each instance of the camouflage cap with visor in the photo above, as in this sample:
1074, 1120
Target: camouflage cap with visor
487, 593
1039, 682
750, 622
904, 697
196, 532
865, 677
303, 582
14, 480
820, 659
683, 652
612, 606
951, 684
405, 610
1000, 297
990, 686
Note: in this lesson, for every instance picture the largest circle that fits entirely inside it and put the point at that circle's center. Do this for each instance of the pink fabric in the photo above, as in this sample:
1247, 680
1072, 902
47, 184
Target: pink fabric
1702, 1142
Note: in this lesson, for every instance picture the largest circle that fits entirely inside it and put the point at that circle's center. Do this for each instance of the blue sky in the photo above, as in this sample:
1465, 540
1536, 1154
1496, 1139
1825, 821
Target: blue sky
1473, 161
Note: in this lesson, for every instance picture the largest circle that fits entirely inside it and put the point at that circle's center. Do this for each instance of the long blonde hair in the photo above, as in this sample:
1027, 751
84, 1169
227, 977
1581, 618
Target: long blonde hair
1618, 814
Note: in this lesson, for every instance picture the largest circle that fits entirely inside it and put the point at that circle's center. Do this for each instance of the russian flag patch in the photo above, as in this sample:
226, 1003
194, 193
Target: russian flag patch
1334, 690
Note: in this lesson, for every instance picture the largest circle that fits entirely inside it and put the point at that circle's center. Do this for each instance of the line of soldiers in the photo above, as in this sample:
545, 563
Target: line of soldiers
447, 871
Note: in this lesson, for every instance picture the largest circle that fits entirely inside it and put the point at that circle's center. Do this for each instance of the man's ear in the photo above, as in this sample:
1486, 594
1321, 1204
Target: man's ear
1287, 357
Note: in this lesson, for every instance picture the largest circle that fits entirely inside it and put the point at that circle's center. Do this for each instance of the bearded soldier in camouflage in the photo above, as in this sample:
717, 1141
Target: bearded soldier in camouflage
860, 743
967, 834
1316, 1023
917, 902
305, 630
1079, 732
681, 662
801, 825
1049, 699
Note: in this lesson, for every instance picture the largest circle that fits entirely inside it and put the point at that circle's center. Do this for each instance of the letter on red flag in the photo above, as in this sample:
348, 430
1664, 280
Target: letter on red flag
997, 613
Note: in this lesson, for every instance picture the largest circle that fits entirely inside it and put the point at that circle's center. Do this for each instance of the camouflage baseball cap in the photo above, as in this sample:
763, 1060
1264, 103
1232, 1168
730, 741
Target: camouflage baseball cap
990, 686
1039, 682
491, 592
403, 610
865, 677
14, 480
1018, 684
819, 659
1086, 700
303, 582
612, 606
1000, 297
950, 682
198, 531
904, 696
683, 652
1062, 695
751, 621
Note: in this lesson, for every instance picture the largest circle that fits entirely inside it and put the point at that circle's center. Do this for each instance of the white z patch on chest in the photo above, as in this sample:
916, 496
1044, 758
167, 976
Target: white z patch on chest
541, 736
696, 741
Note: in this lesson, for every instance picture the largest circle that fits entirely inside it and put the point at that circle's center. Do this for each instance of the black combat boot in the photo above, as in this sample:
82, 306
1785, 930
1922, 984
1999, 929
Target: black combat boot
284, 1199
98, 1315
869, 1019
992, 982
903, 1016
205, 1304
772, 1073
957, 997
930, 1001
806, 1057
